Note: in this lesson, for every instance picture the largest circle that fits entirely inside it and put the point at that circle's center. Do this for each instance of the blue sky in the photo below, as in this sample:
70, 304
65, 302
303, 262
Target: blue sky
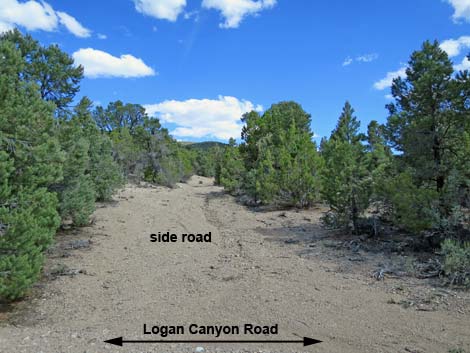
199, 64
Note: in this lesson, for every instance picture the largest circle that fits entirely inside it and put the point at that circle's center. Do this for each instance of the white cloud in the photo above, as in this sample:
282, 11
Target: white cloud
464, 65
453, 47
161, 9
366, 58
461, 9
98, 63
192, 14
31, 14
219, 118
234, 11
34, 16
388, 79
73, 25
4, 27
348, 61
102, 36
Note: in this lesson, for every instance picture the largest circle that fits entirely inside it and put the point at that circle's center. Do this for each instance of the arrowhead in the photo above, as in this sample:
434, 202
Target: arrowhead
309, 341
118, 341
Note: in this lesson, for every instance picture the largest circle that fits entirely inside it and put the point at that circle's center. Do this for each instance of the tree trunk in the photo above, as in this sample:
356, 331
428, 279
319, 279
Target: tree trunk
440, 178
354, 213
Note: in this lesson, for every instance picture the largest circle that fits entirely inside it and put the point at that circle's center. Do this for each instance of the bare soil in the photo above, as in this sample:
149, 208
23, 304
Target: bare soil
265, 268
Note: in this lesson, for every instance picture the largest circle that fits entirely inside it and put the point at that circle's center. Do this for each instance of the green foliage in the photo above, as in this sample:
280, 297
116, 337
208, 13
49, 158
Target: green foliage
143, 149
30, 220
26, 125
456, 261
49, 67
77, 200
411, 207
104, 172
280, 160
298, 168
30, 161
428, 125
346, 177
264, 178
51, 160
75, 191
203, 146
231, 168
456, 350
172, 167
55, 162
205, 160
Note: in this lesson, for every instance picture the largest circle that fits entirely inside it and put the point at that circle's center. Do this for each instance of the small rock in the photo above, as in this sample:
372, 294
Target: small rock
199, 349
356, 259
78, 244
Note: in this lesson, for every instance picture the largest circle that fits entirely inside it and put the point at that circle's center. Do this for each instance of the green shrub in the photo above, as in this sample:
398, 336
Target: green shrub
231, 168
30, 222
346, 180
78, 201
104, 171
412, 208
100, 165
30, 162
456, 261
456, 350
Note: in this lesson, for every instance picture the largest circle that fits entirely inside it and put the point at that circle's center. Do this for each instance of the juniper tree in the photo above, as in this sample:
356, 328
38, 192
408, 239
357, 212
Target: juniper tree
279, 156
265, 178
299, 166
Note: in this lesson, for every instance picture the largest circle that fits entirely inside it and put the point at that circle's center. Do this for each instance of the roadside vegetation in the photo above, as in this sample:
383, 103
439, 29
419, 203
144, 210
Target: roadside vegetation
60, 154
411, 174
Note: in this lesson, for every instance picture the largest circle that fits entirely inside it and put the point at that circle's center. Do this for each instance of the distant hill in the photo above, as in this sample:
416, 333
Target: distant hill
202, 145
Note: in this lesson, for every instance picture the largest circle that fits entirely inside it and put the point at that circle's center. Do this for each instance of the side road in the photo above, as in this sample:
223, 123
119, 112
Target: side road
244, 276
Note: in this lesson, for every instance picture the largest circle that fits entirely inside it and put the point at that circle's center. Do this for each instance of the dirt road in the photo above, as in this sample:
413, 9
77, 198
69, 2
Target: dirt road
245, 275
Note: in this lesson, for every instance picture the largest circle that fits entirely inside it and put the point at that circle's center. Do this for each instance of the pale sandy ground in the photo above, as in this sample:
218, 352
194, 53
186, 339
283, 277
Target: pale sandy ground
244, 276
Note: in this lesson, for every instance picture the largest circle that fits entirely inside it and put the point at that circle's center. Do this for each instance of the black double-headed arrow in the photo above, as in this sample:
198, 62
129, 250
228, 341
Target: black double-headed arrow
306, 341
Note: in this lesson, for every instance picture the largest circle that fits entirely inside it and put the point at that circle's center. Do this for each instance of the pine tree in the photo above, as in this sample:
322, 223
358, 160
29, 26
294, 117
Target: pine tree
345, 176
30, 161
427, 124
75, 191
104, 172
49, 67
231, 170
